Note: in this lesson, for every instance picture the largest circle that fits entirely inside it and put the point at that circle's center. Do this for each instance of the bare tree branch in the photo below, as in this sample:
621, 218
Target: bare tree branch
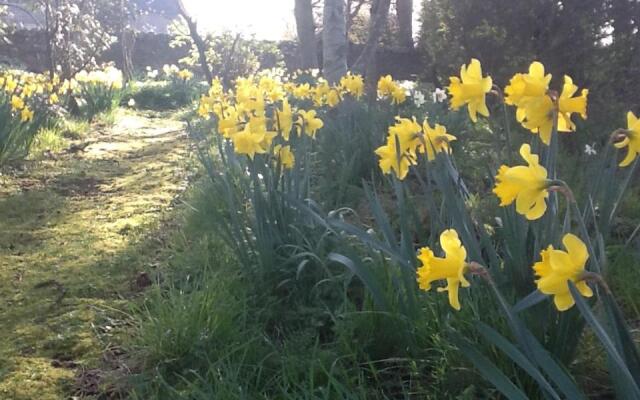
197, 39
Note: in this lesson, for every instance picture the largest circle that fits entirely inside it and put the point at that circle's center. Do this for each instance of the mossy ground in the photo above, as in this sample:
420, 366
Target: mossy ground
76, 230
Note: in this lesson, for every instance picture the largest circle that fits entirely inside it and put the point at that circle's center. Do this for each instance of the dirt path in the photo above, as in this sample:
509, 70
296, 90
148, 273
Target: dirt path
70, 252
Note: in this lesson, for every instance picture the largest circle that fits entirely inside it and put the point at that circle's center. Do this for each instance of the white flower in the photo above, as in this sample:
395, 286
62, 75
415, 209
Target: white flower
407, 85
131, 103
590, 150
439, 95
418, 98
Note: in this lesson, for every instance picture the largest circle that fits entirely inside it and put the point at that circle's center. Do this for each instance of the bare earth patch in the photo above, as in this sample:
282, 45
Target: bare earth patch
71, 251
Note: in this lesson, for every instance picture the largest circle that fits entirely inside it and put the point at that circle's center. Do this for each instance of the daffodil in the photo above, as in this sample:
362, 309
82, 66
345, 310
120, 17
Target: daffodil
185, 74
333, 98
526, 185
539, 114
302, 91
450, 267
230, 124
386, 85
470, 89
26, 115
398, 96
558, 267
284, 119
567, 105
353, 84
309, 122
436, 139
392, 159
17, 103
523, 88
631, 140
408, 132
285, 156
249, 143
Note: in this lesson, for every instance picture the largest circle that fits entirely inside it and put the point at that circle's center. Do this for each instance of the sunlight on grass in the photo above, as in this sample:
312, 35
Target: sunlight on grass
70, 229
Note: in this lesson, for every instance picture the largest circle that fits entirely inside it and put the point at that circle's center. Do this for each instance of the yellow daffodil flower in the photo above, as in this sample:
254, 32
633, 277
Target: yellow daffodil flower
26, 115
436, 139
392, 161
526, 185
185, 75
302, 91
408, 132
285, 156
452, 267
525, 87
309, 122
398, 96
539, 114
631, 140
284, 119
386, 85
333, 98
353, 84
229, 125
558, 267
17, 103
470, 89
568, 105
249, 143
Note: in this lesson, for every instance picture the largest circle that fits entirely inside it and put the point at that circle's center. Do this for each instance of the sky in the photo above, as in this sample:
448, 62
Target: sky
267, 19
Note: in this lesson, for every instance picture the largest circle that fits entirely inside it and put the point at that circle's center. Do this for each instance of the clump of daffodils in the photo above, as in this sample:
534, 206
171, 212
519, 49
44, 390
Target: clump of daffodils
109, 77
541, 110
388, 88
257, 117
406, 140
25, 92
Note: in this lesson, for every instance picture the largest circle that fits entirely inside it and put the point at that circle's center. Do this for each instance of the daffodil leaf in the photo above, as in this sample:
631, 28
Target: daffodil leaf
622, 336
558, 375
365, 275
517, 357
489, 371
623, 375
530, 300
379, 215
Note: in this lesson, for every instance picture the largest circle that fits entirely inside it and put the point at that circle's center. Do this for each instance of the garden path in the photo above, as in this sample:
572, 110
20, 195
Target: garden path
77, 230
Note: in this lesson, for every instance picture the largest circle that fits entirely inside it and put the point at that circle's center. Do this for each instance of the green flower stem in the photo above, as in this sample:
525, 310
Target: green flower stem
564, 188
480, 270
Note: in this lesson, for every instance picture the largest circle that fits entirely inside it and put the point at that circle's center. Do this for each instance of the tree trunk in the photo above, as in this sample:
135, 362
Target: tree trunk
334, 41
306, 34
404, 11
197, 39
379, 17
127, 41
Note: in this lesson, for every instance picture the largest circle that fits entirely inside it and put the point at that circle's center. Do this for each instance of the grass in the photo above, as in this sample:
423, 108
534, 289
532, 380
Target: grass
71, 234
212, 331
